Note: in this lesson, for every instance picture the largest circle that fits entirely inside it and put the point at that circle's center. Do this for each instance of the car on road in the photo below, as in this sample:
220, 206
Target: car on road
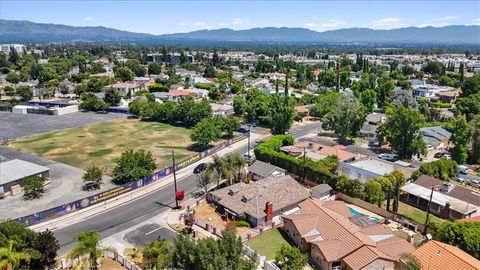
462, 169
460, 179
249, 154
389, 157
474, 183
199, 193
200, 168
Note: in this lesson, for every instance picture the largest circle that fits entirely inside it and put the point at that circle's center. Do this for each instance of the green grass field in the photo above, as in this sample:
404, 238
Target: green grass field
268, 243
101, 143
416, 214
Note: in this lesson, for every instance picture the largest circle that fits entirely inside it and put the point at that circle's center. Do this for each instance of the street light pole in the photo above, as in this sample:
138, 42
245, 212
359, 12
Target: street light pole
175, 179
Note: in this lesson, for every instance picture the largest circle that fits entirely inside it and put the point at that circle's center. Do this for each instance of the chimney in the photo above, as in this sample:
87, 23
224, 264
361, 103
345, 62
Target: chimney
445, 212
268, 211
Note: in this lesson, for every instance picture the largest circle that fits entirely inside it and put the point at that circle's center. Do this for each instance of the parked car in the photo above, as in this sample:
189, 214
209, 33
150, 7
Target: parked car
389, 157
200, 168
430, 147
460, 179
438, 155
91, 186
198, 193
447, 156
474, 183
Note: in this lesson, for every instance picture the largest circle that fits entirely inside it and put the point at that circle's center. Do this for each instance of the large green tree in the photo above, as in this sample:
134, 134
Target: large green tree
290, 258
346, 119
157, 255
133, 165
112, 97
402, 131
282, 111
465, 235
460, 138
471, 86
124, 74
205, 132
469, 106
373, 192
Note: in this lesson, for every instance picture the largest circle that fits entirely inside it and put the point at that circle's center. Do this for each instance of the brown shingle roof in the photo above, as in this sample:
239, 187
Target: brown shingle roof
438, 255
281, 191
458, 192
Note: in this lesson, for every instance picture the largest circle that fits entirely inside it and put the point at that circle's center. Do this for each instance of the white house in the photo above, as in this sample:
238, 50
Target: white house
222, 110
364, 170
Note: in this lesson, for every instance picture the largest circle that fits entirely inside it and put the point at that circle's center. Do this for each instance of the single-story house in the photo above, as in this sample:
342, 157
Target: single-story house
436, 136
370, 168
180, 93
259, 170
198, 93
448, 96
222, 109
126, 87
438, 255
335, 238
13, 172
449, 201
259, 201
163, 96
317, 151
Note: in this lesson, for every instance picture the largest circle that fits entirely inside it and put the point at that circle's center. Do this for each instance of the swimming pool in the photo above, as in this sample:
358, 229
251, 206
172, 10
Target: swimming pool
356, 213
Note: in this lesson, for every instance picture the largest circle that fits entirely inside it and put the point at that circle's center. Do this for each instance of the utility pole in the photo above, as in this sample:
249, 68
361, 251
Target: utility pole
428, 211
248, 146
175, 179
304, 167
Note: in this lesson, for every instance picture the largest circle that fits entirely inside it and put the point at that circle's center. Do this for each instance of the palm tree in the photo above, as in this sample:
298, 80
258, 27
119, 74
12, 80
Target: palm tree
237, 166
409, 262
204, 180
10, 259
87, 245
219, 169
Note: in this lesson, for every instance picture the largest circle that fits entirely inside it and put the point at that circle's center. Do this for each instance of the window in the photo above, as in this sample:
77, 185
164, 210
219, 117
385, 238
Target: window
336, 264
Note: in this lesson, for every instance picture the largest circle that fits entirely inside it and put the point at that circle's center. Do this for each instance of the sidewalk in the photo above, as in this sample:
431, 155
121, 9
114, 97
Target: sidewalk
89, 212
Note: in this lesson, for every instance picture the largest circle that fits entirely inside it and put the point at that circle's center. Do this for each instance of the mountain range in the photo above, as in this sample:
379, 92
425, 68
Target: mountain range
26, 31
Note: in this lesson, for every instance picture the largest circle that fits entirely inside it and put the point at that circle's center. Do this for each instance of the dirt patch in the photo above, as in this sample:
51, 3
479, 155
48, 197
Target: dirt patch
109, 264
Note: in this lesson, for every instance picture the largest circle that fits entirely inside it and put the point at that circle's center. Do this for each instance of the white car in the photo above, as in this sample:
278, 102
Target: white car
389, 157
430, 147
447, 156
250, 154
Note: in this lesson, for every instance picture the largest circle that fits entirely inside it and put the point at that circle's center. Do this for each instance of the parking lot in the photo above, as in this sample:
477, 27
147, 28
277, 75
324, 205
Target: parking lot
66, 186
14, 125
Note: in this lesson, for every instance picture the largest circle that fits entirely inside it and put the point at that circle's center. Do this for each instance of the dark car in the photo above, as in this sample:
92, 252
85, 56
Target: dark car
200, 168
91, 186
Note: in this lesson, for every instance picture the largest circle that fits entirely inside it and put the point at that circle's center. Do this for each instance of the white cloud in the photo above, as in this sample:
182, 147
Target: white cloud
387, 21
440, 22
88, 19
235, 22
476, 21
330, 24
446, 18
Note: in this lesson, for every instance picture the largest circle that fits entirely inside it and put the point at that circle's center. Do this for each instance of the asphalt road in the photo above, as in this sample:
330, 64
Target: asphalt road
137, 211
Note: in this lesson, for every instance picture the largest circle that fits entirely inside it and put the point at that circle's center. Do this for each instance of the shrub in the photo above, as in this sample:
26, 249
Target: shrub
241, 223
207, 86
439, 104
443, 169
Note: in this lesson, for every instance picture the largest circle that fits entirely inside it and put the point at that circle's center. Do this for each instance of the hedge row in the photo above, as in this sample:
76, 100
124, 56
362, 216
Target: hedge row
318, 171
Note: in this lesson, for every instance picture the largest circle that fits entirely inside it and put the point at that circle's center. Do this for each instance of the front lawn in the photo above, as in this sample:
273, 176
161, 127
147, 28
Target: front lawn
415, 214
268, 243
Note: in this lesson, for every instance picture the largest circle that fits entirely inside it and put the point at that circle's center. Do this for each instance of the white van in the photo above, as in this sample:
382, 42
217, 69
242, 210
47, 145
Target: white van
463, 169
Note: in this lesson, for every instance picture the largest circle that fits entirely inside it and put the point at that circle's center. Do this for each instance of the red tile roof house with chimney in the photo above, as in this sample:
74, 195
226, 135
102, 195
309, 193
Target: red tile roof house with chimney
260, 201
336, 239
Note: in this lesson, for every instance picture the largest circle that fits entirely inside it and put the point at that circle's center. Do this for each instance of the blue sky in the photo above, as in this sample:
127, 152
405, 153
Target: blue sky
184, 16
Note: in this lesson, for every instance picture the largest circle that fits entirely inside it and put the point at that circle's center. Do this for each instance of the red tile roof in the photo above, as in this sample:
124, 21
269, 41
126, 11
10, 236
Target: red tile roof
179, 92
438, 255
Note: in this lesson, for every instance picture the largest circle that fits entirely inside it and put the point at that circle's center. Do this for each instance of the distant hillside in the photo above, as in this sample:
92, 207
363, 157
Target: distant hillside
24, 31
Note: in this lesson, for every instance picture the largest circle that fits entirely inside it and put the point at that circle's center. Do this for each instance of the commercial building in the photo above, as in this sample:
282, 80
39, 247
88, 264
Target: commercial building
13, 172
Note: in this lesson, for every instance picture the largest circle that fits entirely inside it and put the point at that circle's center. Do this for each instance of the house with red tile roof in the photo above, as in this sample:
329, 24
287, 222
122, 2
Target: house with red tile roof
317, 151
337, 239
438, 255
